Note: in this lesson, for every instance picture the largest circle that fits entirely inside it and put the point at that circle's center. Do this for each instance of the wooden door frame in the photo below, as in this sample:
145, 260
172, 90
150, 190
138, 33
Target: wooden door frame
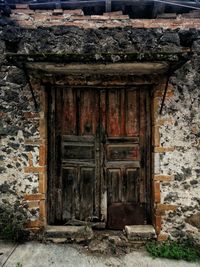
40, 87
52, 159
41, 77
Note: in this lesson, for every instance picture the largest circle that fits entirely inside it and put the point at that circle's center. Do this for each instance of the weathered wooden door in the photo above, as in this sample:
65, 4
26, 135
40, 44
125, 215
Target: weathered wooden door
126, 121
99, 146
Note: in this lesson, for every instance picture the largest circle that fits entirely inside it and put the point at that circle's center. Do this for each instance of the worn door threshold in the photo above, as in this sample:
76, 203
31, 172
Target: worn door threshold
85, 234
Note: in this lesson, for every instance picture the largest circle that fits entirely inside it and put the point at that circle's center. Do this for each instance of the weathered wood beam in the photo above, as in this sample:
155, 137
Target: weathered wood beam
117, 68
97, 81
103, 75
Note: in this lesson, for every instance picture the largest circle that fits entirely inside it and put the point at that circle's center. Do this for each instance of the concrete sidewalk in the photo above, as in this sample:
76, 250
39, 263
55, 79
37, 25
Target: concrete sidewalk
34, 254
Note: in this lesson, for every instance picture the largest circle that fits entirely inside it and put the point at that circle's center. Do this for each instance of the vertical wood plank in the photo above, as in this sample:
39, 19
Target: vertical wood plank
68, 183
58, 151
122, 113
142, 146
69, 112
149, 158
87, 183
114, 185
51, 157
113, 117
133, 185
132, 113
88, 112
103, 176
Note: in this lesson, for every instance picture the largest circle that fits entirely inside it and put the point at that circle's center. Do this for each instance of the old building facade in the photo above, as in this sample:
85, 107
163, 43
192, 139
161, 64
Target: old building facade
100, 120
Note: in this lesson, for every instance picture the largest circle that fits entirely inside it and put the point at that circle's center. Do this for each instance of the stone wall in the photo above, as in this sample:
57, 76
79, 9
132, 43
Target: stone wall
176, 133
184, 136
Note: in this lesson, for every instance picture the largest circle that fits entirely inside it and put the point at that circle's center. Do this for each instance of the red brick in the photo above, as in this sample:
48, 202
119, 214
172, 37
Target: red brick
58, 17
57, 12
26, 24
53, 23
32, 169
76, 17
163, 149
156, 136
43, 128
157, 223
31, 115
33, 204
42, 209
34, 224
33, 142
162, 237
119, 17
74, 12
99, 17
42, 183
156, 191
136, 23
166, 121
43, 155
34, 197
163, 178
44, 11
165, 207
169, 93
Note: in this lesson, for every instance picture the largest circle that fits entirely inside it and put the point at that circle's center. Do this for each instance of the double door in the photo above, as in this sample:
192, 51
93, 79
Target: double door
99, 156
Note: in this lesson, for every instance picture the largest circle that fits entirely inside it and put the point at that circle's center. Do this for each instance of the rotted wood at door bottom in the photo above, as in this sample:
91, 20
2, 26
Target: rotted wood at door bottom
99, 141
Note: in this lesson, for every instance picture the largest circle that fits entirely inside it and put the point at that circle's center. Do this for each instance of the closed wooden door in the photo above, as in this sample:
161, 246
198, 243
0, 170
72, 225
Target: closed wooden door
99, 146
126, 120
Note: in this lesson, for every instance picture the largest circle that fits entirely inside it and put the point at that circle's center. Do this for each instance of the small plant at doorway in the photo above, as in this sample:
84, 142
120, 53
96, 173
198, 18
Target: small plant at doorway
12, 219
171, 249
19, 264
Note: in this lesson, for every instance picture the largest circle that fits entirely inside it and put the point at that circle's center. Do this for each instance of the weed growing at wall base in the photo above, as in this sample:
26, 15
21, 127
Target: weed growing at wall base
12, 219
174, 250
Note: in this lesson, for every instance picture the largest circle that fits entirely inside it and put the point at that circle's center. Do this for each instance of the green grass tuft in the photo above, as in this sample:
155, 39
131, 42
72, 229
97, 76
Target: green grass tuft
171, 249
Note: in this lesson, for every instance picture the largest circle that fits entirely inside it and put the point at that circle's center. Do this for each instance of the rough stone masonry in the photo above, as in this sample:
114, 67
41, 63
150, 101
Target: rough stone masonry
176, 133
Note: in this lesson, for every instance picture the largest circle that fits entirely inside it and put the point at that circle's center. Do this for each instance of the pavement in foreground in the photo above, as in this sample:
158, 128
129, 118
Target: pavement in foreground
35, 254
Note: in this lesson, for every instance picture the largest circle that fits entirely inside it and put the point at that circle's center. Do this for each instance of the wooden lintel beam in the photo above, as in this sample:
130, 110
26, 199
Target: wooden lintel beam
112, 68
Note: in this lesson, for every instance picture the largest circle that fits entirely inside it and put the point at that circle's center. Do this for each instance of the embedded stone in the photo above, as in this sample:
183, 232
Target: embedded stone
170, 37
193, 182
71, 233
139, 232
194, 220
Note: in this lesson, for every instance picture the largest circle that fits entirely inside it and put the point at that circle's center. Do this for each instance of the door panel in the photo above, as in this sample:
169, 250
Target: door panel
122, 152
99, 149
78, 180
88, 111
132, 113
125, 150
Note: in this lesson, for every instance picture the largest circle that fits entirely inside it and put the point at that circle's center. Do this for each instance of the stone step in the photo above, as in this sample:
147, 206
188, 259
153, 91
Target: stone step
140, 232
68, 233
